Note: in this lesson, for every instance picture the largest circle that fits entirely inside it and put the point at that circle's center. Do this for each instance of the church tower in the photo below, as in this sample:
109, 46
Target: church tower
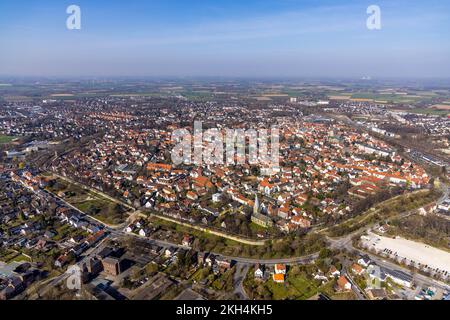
256, 207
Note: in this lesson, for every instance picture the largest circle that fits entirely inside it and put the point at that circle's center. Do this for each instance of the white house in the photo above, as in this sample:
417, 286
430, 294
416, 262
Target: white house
364, 261
217, 197
144, 232
259, 272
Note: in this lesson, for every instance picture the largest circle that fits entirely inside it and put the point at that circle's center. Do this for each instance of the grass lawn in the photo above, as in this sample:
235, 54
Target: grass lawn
5, 139
62, 232
281, 291
304, 286
297, 287
343, 296
21, 258
328, 289
197, 275
94, 205
103, 210
224, 281
257, 228
8, 255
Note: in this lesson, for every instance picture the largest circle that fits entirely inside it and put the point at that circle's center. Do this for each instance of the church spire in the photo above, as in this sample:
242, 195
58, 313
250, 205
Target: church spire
256, 207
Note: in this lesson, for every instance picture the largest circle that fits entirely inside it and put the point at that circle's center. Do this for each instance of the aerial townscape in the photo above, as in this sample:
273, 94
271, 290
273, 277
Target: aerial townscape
358, 207
224, 151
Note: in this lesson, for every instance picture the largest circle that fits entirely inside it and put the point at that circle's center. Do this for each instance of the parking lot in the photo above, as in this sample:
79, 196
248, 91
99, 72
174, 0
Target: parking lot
420, 255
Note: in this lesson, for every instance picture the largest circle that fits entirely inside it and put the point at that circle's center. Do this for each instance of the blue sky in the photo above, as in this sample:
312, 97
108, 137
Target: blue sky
246, 38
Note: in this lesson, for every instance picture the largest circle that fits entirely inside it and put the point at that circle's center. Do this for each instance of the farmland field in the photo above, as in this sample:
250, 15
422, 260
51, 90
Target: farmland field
430, 111
386, 97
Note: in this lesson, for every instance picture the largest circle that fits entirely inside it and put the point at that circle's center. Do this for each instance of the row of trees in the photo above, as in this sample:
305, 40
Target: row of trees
431, 229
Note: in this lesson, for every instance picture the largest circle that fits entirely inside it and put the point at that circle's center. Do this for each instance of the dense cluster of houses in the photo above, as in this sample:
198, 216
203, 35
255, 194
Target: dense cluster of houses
278, 272
22, 200
218, 264
15, 277
316, 157
444, 207
19, 217
377, 275
434, 125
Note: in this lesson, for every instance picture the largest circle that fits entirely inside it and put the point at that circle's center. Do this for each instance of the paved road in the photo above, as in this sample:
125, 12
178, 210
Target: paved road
240, 260
355, 288
238, 281
446, 193
419, 279
63, 277
288, 261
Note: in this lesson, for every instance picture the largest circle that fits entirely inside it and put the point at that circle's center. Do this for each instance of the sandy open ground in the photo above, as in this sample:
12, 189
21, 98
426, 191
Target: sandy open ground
411, 250
441, 107
62, 95
339, 97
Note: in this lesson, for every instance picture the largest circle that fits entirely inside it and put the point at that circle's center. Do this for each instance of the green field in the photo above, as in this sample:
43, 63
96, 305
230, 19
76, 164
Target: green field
92, 204
6, 139
198, 95
298, 288
395, 98
143, 94
21, 258
294, 93
76, 96
387, 97
435, 112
